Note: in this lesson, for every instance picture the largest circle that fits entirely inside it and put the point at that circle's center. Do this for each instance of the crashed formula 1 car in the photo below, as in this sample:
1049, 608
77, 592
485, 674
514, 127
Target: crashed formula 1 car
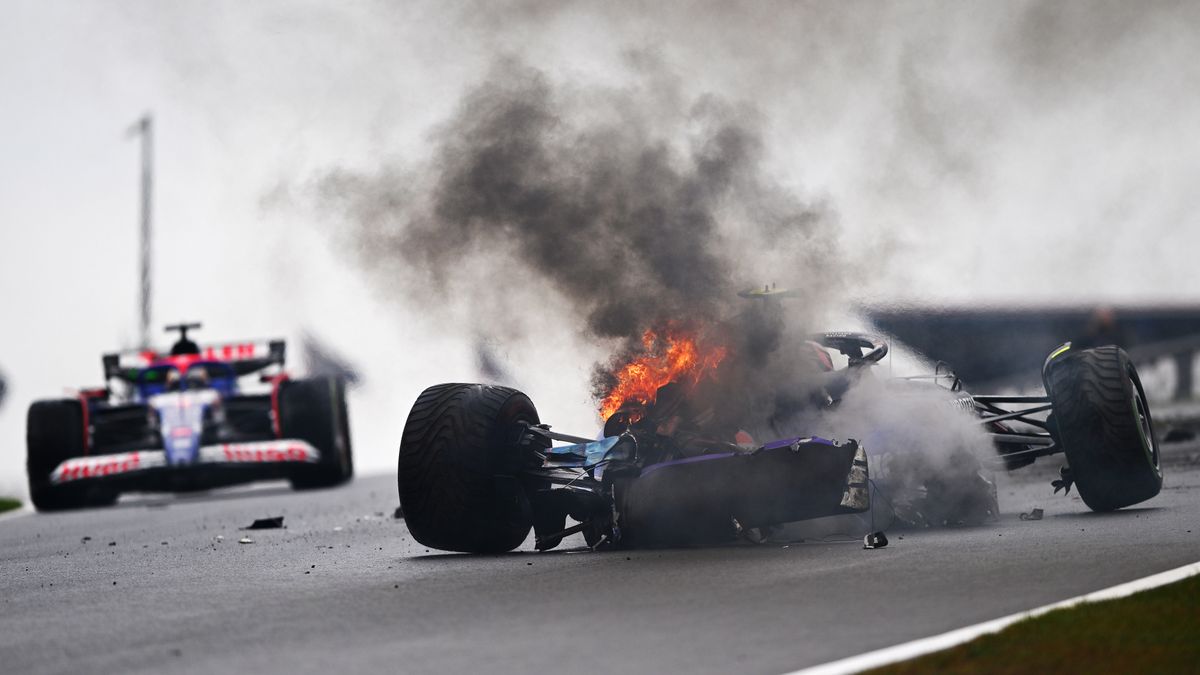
180, 421
478, 469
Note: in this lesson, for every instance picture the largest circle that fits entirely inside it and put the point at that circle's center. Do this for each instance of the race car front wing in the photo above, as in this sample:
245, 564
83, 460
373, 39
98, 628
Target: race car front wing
128, 464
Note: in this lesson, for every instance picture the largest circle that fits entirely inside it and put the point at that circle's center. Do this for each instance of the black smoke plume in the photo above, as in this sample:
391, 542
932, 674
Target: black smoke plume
638, 206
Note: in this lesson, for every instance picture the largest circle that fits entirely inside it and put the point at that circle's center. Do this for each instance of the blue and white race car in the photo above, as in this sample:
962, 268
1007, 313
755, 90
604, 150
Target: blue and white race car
478, 469
181, 421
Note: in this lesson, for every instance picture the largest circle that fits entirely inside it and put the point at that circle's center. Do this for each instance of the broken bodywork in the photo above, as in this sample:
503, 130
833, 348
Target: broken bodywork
478, 469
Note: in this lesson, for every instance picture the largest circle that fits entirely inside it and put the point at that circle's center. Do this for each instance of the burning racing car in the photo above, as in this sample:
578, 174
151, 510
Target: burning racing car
478, 469
180, 421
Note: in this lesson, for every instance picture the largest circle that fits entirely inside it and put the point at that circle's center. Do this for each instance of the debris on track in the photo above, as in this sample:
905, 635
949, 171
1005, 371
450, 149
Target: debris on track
1035, 514
273, 523
875, 540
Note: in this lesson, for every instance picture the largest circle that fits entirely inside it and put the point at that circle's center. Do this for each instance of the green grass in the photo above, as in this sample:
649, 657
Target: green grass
7, 504
1155, 631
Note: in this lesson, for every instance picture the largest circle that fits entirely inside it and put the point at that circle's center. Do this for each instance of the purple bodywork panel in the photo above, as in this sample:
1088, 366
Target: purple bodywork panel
696, 500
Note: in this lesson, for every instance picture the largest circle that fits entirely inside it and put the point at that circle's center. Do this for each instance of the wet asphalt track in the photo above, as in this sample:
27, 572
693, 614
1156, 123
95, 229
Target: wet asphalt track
343, 588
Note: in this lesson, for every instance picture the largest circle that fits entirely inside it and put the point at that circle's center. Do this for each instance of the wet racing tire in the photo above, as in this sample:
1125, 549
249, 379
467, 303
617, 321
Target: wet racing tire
314, 410
55, 433
1104, 425
459, 468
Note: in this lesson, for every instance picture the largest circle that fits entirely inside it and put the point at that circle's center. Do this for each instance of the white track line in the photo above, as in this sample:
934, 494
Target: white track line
910, 650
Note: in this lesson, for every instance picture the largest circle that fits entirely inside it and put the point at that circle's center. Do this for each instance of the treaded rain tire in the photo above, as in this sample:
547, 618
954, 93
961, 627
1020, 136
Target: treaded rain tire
458, 468
1105, 427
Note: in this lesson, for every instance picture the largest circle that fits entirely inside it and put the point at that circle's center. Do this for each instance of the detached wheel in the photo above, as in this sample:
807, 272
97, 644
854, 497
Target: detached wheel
54, 433
459, 468
314, 410
1105, 427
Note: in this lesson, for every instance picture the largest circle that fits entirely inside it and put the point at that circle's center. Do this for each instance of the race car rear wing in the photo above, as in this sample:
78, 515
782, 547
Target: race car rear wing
245, 357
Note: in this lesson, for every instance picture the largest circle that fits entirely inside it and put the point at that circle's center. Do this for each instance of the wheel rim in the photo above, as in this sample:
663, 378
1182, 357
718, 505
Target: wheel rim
1145, 430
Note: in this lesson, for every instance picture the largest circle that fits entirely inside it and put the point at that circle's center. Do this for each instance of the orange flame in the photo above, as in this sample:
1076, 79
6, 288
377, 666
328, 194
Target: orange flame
672, 358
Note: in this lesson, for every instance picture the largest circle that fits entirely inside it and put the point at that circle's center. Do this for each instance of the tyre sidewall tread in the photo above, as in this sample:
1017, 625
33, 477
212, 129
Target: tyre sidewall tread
1093, 392
456, 471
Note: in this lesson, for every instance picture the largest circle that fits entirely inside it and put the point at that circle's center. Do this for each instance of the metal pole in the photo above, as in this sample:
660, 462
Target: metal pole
145, 130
